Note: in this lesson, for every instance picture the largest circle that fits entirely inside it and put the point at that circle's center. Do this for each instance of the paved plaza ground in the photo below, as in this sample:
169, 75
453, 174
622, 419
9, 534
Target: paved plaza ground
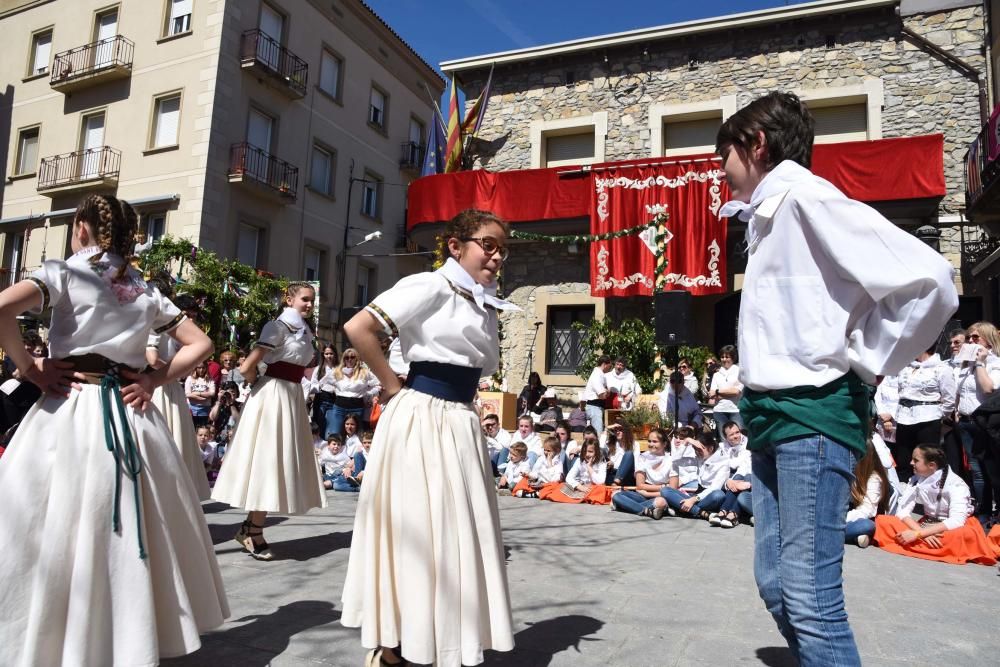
594, 587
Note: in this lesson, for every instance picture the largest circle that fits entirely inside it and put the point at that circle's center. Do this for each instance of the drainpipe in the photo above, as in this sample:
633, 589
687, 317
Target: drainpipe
956, 63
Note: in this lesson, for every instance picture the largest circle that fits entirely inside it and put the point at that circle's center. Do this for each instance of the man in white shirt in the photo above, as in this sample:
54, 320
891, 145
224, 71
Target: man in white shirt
622, 383
677, 403
596, 392
497, 441
833, 295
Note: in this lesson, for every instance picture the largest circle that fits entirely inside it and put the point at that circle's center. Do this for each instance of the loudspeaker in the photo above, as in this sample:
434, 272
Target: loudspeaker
672, 312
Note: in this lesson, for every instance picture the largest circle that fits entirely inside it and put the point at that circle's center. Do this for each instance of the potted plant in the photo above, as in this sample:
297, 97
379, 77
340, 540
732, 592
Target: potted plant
641, 419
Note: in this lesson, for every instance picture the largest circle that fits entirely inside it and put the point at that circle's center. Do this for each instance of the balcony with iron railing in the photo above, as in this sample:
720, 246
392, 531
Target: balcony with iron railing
263, 173
79, 170
411, 156
261, 53
104, 60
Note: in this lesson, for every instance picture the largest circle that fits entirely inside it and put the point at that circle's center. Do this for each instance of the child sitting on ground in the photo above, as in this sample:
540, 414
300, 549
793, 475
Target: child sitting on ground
361, 458
515, 467
337, 466
547, 469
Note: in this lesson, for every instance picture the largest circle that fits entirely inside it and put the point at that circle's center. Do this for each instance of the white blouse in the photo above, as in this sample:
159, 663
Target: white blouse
331, 462
952, 506
831, 286
544, 472
655, 468
437, 318
869, 504
166, 346
585, 474
533, 442
726, 378
321, 382
684, 463
287, 339
89, 316
356, 386
713, 473
930, 382
515, 471
970, 394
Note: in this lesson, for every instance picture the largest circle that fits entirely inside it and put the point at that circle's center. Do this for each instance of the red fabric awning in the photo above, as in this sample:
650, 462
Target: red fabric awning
870, 171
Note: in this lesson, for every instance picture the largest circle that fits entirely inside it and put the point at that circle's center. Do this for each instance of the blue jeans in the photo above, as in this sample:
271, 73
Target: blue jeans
733, 501
970, 432
625, 473
632, 502
855, 529
498, 459
722, 418
675, 497
336, 415
801, 488
359, 463
596, 416
340, 483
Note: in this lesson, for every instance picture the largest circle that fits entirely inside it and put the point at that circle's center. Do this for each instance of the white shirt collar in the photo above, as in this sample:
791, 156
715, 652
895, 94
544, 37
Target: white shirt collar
765, 200
482, 295
294, 320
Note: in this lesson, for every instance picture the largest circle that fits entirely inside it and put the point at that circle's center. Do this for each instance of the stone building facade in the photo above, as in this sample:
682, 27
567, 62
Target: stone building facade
869, 70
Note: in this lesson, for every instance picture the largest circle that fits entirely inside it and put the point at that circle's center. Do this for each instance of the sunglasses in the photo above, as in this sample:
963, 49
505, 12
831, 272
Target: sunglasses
683, 366
490, 245
973, 337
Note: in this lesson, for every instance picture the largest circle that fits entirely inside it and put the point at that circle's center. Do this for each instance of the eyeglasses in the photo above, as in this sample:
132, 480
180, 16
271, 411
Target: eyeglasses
973, 337
348, 356
683, 366
490, 245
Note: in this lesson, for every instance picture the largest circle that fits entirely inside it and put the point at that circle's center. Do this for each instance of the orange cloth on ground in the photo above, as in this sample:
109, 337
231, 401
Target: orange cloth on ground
522, 485
994, 539
965, 544
599, 494
553, 491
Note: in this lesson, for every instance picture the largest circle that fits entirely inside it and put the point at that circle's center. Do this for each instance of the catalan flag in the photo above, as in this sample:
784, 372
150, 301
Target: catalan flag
474, 119
453, 152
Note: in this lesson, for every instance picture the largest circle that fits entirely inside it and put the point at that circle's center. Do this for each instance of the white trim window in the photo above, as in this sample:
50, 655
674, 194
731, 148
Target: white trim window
248, 245
179, 19
371, 195
377, 108
330, 67
321, 170
569, 141
166, 121
156, 225
26, 161
41, 50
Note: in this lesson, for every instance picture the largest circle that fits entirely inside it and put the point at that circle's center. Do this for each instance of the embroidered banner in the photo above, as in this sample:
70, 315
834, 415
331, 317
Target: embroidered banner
624, 197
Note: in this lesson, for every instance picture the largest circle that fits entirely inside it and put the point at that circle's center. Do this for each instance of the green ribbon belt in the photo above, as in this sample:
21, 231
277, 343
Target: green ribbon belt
127, 460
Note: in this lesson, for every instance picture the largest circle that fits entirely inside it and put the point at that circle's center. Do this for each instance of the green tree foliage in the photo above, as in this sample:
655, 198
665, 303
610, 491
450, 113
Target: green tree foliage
228, 291
635, 340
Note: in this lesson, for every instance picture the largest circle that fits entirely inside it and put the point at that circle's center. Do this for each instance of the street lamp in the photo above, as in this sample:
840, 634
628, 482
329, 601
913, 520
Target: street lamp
371, 236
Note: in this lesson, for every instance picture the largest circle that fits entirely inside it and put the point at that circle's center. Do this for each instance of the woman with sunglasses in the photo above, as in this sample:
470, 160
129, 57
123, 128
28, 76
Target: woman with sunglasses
976, 379
429, 496
690, 379
354, 386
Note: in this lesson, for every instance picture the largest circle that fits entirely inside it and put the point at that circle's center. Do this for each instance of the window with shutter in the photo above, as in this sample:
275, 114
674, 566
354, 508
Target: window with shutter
845, 122
321, 174
41, 49
329, 74
569, 149
313, 261
27, 151
686, 135
248, 245
168, 113
180, 17
376, 108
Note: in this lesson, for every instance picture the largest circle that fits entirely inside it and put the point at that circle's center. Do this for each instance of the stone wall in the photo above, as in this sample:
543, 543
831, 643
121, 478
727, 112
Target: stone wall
922, 94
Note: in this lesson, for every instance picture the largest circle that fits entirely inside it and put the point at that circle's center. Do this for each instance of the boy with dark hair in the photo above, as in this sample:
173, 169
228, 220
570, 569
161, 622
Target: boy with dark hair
834, 294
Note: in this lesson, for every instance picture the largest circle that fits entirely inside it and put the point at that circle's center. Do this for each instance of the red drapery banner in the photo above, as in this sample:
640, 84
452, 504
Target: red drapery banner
691, 193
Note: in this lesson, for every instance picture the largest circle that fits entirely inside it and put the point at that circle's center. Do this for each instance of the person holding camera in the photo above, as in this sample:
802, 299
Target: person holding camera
226, 411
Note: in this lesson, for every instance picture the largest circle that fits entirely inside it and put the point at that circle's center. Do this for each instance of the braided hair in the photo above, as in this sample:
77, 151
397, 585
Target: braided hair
114, 223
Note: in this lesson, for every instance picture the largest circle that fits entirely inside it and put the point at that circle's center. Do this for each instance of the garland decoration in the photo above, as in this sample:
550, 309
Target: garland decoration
581, 238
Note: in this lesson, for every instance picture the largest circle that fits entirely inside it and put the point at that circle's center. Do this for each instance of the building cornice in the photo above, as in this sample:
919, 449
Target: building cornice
671, 31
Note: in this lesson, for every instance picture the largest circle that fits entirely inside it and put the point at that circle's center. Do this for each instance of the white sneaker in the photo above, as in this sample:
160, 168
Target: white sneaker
864, 541
752, 522
714, 519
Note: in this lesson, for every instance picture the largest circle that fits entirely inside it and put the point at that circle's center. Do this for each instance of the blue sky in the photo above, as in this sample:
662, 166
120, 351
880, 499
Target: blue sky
442, 30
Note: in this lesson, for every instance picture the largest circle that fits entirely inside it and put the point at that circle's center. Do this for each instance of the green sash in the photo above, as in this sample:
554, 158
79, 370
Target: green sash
839, 410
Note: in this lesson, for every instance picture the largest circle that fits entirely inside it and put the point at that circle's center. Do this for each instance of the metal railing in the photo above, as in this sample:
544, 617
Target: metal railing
411, 155
88, 164
258, 48
92, 58
251, 162
981, 171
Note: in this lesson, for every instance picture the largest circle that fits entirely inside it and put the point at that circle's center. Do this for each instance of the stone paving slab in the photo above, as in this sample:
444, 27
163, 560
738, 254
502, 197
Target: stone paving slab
593, 587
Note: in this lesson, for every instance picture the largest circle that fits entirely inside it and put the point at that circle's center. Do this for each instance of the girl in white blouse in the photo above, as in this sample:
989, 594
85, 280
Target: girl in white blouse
107, 560
584, 481
652, 473
947, 531
870, 493
429, 495
321, 388
713, 471
976, 380
270, 464
547, 469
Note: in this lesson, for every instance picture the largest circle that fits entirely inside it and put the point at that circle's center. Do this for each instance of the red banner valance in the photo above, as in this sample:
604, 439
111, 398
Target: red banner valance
691, 193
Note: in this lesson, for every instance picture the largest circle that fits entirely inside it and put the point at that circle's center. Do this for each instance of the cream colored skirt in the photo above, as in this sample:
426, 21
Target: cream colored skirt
75, 592
170, 400
426, 568
270, 464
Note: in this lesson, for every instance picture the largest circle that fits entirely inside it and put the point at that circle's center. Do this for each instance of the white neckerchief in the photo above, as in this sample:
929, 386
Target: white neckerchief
482, 295
348, 370
295, 322
764, 201
928, 484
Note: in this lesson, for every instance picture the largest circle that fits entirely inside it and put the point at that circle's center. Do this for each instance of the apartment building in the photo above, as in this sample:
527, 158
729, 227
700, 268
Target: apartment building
279, 132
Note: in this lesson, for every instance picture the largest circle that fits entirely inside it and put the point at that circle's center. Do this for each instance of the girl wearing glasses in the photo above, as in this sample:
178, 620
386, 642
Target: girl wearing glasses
429, 495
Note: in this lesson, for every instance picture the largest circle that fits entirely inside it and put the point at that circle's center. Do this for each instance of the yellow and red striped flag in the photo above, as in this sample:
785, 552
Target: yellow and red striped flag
453, 152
